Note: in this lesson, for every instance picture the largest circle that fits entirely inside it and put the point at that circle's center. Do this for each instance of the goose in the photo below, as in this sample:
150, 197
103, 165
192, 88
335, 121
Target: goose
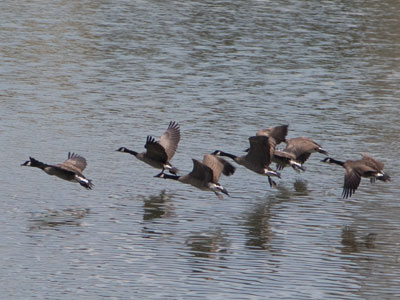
70, 170
276, 135
257, 158
296, 153
367, 167
205, 175
159, 153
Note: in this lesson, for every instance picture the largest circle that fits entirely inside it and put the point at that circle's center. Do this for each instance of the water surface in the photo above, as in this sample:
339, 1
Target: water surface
92, 76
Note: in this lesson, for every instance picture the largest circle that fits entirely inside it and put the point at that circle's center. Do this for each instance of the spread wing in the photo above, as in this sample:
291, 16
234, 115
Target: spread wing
201, 171
282, 158
352, 180
301, 147
277, 133
155, 151
259, 152
352, 177
218, 165
170, 139
75, 162
372, 162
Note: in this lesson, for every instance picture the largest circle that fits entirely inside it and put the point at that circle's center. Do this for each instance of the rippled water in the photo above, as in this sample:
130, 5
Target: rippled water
91, 76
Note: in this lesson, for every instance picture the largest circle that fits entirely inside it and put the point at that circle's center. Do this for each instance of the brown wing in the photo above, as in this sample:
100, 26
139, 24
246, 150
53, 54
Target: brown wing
74, 162
277, 133
218, 165
170, 139
352, 178
302, 148
282, 158
201, 171
303, 158
372, 162
155, 151
259, 152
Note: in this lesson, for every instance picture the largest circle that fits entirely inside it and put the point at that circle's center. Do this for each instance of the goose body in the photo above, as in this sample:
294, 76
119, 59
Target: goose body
159, 153
70, 170
205, 175
367, 167
296, 153
276, 135
257, 158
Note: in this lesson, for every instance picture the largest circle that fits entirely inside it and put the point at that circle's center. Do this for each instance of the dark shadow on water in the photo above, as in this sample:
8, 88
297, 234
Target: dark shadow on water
299, 189
257, 224
55, 218
157, 206
257, 220
208, 244
351, 243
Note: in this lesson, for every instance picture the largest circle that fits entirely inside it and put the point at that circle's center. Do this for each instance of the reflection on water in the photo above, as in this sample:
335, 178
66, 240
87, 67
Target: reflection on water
257, 222
87, 76
158, 206
208, 244
353, 243
53, 218
300, 186
300, 189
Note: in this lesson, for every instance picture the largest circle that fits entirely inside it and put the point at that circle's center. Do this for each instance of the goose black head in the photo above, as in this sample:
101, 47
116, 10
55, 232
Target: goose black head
122, 149
216, 152
28, 163
160, 175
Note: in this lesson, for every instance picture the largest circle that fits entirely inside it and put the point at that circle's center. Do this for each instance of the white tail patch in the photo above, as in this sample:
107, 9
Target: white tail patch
292, 162
81, 179
271, 173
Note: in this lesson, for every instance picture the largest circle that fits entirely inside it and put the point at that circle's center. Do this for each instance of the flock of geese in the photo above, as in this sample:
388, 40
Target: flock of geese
205, 174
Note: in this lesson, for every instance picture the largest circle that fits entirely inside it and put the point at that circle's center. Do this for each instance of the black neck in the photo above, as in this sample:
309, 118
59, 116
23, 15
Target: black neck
221, 153
167, 176
334, 161
38, 164
131, 152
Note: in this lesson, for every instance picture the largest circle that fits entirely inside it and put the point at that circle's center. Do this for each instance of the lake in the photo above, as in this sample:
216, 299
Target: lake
92, 76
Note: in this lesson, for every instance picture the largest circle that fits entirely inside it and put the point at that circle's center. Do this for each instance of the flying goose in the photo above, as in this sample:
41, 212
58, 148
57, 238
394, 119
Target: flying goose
367, 167
296, 153
276, 135
205, 175
70, 170
257, 158
159, 153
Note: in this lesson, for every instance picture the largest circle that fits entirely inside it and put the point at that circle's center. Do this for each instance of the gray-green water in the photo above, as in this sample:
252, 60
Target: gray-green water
91, 76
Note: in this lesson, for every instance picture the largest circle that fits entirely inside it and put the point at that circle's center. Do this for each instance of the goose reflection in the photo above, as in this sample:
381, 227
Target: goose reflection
259, 233
300, 189
158, 206
53, 218
352, 244
300, 186
208, 244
